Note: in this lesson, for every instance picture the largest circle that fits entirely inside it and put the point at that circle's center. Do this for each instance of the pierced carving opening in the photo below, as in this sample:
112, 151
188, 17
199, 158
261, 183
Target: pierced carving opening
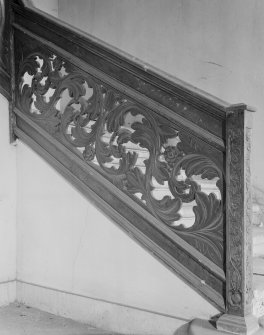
26, 80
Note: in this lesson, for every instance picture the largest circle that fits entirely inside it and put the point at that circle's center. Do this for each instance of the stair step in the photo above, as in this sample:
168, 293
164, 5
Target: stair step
258, 292
257, 215
261, 321
258, 266
18, 319
258, 241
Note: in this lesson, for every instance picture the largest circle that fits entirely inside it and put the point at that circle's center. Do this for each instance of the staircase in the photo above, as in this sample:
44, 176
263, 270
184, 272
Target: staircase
167, 162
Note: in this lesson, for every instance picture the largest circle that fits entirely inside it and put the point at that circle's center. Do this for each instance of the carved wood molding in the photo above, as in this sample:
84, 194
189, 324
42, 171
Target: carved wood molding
239, 214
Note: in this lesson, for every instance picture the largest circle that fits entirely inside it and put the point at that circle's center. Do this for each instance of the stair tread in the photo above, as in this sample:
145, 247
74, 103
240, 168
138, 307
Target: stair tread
35, 321
258, 241
258, 265
258, 231
261, 321
258, 296
258, 283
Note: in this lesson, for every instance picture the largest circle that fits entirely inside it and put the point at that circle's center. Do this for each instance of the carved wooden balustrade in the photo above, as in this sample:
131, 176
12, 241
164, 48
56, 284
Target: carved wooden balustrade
142, 146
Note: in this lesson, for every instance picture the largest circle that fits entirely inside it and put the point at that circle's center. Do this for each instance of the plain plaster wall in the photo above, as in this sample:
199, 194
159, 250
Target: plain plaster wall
215, 45
7, 209
48, 6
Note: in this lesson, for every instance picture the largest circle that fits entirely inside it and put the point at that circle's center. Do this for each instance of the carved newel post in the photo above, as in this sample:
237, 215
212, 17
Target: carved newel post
238, 318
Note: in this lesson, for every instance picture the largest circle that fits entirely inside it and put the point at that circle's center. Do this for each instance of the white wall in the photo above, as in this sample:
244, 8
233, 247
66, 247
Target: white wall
216, 45
48, 6
7, 209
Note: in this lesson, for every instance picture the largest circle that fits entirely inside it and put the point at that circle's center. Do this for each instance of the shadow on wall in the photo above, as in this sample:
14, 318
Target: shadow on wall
183, 330
199, 327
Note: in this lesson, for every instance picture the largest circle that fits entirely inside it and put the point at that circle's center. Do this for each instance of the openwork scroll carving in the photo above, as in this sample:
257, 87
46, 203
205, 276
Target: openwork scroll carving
143, 154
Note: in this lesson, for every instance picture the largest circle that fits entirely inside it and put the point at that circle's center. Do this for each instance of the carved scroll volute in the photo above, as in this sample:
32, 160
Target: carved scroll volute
239, 292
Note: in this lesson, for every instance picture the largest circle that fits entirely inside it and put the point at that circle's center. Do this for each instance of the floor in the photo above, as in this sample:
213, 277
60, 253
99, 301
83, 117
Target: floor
17, 319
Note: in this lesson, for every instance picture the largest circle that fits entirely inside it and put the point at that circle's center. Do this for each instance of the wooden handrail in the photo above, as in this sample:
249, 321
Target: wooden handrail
119, 129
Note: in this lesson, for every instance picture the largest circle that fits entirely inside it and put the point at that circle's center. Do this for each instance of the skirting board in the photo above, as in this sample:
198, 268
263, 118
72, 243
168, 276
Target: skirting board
97, 313
7, 292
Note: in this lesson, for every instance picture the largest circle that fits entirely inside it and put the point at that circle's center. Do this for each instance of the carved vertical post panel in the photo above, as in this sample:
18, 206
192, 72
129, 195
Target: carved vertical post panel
239, 292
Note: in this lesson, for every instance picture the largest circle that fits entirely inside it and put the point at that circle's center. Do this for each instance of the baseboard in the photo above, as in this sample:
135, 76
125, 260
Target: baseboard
98, 313
7, 292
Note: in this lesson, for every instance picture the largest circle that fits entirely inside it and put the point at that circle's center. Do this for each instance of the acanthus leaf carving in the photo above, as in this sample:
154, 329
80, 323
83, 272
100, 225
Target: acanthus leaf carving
141, 152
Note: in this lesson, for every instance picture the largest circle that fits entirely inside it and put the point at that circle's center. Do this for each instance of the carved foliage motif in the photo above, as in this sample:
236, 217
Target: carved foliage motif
240, 269
248, 235
235, 214
137, 150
